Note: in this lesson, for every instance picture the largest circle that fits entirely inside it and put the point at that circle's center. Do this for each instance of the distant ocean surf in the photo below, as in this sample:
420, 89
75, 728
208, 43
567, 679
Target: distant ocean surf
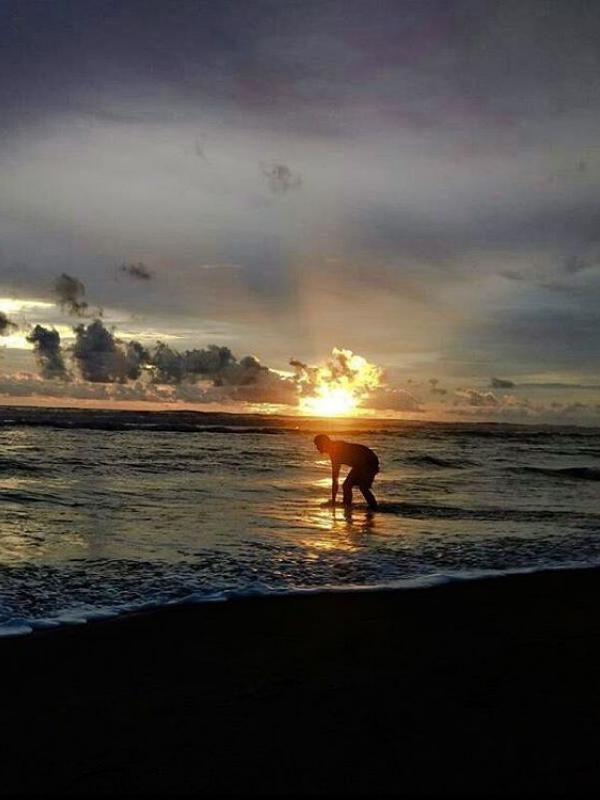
104, 512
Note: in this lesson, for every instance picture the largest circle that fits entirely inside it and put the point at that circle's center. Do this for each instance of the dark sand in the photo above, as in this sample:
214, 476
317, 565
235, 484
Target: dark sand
488, 686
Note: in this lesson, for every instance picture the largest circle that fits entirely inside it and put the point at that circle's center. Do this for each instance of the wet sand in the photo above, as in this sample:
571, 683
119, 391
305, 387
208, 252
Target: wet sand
480, 687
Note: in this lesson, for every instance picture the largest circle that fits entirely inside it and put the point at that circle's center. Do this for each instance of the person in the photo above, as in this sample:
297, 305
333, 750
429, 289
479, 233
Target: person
362, 460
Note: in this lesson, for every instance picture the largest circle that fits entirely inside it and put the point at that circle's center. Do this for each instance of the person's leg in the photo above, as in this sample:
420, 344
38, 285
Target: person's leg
347, 487
369, 496
365, 488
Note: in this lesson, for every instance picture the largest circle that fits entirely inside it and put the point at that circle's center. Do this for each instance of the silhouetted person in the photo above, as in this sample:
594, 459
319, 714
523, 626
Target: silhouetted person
363, 462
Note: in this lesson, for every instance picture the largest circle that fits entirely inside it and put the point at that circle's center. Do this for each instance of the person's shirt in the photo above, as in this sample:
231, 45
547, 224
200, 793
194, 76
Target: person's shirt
353, 455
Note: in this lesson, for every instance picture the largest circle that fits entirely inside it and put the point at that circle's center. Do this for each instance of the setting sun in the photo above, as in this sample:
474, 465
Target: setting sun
339, 386
330, 402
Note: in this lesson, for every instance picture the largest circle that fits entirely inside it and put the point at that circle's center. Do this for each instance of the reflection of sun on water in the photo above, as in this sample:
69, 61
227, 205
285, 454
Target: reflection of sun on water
336, 529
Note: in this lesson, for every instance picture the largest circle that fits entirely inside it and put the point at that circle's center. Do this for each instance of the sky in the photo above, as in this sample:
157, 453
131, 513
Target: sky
415, 182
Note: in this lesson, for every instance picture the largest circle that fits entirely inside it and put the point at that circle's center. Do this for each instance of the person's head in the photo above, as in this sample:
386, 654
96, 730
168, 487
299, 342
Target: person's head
322, 442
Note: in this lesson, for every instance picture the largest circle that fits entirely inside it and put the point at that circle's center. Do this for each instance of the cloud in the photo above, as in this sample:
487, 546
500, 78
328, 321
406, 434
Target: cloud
69, 292
412, 144
7, 326
501, 383
435, 389
574, 409
279, 177
267, 387
138, 271
391, 399
47, 348
344, 368
345, 375
102, 358
210, 374
245, 379
509, 408
272, 390
554, 385
28, 385
171, 366
575, 264
473, 397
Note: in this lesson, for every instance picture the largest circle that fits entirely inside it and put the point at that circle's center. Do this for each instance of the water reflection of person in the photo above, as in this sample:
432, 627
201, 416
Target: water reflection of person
364, 524
363, 463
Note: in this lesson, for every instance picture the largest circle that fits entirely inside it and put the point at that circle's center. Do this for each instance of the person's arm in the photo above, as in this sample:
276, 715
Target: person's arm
335, 471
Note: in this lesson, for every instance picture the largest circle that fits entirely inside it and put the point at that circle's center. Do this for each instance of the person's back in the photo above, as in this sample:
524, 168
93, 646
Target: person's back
354, 455
363, 463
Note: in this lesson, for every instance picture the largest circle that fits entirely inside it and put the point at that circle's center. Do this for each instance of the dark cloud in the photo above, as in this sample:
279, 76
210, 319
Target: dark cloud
47, 348
211, 374
501, 383
230, 379
171, 366
102, 358
7, 326
213, 363
138, 271
303, 65
280, 178
69, 292
436, 388
263, 386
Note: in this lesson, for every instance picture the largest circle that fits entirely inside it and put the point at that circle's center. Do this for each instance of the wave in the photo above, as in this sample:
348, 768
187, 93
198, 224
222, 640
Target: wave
9, 465
26, 498
430, 511
569, 473
19, 626
436, 461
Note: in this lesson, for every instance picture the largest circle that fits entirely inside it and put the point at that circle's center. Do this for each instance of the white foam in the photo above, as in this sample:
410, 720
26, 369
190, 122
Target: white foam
15, 629
42, 624
79, 616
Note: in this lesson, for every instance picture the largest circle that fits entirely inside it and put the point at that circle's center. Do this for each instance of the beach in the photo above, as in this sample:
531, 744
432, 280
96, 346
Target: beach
482, 686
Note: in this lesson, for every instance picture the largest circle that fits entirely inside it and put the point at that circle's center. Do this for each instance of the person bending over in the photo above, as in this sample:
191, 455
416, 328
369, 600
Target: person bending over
363, 463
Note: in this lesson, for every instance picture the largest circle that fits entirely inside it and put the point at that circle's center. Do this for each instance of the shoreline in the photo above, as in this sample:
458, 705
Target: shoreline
487, 685
76, 619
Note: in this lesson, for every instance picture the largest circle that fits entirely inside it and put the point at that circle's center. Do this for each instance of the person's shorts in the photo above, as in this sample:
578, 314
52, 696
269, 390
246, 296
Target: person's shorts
361, 476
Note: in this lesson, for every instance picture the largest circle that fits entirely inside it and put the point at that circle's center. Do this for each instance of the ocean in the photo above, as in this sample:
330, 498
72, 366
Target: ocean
105, 512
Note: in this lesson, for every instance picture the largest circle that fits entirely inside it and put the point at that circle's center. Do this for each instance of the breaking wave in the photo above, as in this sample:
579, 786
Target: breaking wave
569, 473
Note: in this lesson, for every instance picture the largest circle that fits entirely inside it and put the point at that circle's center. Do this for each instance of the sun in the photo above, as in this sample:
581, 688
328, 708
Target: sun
330, 402
338, 387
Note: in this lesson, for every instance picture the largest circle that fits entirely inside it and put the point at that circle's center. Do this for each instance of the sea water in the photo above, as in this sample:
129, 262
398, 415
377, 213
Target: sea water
107, 512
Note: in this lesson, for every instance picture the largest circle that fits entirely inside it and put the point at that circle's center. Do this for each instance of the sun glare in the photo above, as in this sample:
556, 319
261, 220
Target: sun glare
338, 387
330, 402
